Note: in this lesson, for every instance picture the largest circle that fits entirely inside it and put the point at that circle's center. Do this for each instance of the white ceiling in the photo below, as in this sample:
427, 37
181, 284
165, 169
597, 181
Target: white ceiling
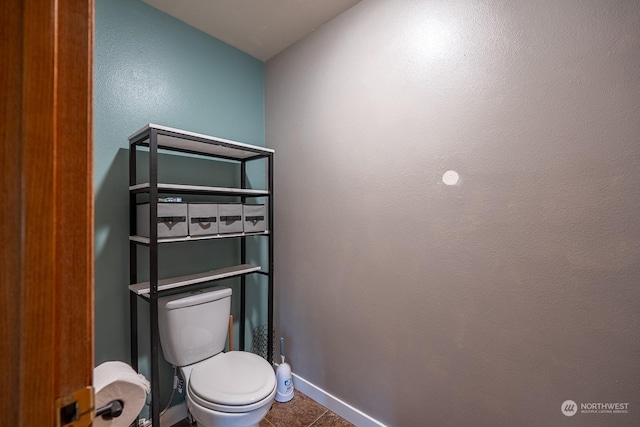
261, 28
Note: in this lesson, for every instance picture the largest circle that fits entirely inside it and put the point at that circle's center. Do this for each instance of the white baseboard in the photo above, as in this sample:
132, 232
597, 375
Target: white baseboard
174, 415
346, 411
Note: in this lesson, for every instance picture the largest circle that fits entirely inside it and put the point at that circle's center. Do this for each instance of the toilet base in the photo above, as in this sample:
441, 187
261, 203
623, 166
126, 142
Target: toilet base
206, 417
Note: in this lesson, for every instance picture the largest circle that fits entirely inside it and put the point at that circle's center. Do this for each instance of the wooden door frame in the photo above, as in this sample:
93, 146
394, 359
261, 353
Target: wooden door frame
46, 169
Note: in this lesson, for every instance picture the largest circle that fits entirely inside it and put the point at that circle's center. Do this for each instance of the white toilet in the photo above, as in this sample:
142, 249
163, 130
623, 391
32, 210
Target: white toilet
234, 389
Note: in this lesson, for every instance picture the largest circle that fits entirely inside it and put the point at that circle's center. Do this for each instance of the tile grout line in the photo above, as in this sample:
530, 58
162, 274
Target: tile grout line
316, 420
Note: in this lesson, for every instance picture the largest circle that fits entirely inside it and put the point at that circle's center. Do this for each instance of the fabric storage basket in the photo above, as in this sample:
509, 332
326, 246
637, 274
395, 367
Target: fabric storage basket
230, 218
172, 220
203, 219
254, 218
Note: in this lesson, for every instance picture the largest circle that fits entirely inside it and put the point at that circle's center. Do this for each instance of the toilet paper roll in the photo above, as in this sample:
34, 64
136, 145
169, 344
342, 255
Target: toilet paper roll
118, 381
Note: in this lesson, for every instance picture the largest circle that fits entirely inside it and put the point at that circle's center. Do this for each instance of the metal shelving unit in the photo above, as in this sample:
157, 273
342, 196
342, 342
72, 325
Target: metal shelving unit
155, 137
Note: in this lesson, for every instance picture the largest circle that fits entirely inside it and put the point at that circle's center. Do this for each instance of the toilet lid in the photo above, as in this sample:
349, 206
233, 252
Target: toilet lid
233, 378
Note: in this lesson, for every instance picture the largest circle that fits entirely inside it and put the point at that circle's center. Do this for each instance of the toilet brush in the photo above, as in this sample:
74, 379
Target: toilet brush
284, 387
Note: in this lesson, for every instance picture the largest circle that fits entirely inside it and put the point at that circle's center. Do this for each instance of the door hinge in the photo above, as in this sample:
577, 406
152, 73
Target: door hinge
75, 409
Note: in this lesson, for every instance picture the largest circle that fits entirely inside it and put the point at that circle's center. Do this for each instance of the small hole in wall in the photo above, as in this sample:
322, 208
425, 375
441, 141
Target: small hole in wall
450, 177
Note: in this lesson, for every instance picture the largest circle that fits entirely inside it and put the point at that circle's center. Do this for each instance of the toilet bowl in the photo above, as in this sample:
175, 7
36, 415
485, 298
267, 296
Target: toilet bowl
233, 389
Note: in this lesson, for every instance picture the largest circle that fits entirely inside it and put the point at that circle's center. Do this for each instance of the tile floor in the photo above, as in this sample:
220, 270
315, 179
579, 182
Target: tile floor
301, 411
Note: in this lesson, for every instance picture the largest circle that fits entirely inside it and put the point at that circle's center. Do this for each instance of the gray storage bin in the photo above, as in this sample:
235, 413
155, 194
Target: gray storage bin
203, 219
172, 220
254, 218
229, 218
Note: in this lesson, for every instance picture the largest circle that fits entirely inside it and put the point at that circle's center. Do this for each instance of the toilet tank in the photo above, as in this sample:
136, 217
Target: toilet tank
193, 326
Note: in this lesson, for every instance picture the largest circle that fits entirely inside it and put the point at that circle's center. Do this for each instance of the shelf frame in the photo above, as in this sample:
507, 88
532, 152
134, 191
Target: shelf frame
173, 283
142, 240
156, 138
198, 190
203, 145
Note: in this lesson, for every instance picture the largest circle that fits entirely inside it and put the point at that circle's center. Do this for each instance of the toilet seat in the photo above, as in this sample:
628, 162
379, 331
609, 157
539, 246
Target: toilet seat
236, 381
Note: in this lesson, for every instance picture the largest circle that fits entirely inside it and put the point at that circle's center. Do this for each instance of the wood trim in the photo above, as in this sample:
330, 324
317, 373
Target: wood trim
74, 195
10, 183
47, 189
38, 267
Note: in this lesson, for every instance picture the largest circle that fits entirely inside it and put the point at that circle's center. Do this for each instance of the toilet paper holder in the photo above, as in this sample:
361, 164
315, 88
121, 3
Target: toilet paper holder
111, 410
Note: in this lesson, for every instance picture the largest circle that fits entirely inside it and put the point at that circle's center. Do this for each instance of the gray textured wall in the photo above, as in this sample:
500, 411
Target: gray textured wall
492, 301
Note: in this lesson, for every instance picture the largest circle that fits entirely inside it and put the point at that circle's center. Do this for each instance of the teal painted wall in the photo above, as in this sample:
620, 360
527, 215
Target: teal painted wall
152, 68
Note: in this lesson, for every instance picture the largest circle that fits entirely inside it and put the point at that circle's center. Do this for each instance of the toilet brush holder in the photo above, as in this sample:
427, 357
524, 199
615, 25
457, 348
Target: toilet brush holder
284, 379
